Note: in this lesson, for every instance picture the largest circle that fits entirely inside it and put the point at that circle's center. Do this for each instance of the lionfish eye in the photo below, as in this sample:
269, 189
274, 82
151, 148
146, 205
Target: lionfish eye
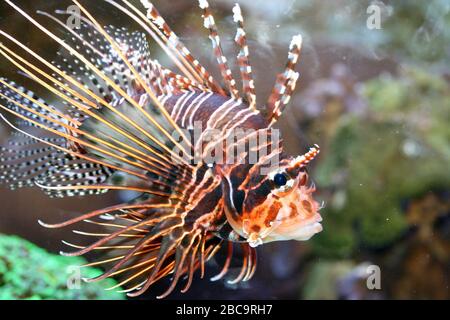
280, 179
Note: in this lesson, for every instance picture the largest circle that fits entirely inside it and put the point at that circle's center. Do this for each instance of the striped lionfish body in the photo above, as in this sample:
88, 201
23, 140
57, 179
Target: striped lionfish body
205, 163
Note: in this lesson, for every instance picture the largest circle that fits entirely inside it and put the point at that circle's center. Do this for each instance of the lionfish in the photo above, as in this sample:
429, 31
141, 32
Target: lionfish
119, 120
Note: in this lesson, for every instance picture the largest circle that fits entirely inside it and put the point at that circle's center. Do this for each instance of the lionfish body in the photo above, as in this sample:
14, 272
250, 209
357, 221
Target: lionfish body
206, 165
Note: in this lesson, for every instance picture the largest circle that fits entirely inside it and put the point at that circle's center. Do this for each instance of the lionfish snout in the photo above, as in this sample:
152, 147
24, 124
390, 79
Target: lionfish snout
281, 205
298, 216
288, 213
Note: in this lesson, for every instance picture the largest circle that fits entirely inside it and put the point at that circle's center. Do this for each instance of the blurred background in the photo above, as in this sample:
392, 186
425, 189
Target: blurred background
374, 94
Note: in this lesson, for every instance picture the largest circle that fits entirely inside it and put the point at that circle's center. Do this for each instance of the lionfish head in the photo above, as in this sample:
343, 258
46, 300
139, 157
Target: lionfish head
279, 205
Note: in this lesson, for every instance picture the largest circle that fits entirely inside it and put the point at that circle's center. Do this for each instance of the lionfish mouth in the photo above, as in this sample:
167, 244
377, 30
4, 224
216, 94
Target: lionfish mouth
295, 229
298, 230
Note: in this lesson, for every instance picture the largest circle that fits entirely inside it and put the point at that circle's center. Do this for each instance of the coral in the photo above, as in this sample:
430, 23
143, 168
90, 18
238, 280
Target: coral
416, 267
398, 151
418, 31
30, 272
425, 258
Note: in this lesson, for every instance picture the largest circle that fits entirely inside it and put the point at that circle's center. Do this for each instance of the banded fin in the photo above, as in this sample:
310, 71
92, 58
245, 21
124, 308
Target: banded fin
210, 24
125, 96
74, 172
27, 161
22, 168
134, 45
248, 84
195, 69
285, 83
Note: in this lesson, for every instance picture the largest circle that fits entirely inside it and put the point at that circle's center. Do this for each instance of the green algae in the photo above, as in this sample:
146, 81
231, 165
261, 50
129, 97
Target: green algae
30, 272
400, 149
